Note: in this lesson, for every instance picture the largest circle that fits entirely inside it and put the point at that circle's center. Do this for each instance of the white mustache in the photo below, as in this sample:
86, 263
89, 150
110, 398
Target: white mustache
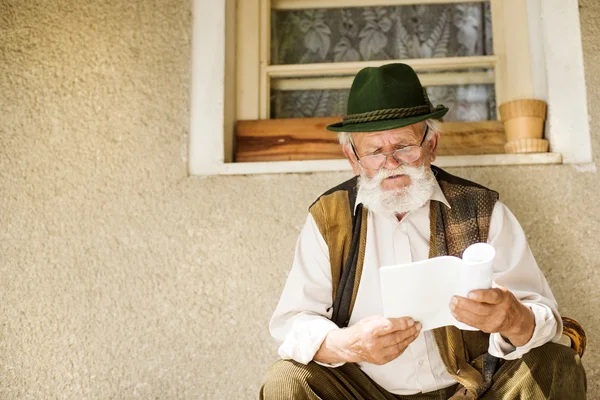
398, 201
413, 172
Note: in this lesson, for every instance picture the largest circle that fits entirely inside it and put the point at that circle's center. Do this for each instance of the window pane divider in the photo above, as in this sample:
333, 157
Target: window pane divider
434, 79
307, 4
351, 68
265, 58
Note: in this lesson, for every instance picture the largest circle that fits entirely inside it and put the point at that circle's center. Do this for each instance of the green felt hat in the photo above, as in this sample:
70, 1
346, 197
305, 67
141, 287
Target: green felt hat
386, 97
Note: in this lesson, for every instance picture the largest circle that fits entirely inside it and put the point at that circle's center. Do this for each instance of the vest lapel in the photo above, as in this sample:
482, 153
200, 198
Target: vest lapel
449, 339
452, 230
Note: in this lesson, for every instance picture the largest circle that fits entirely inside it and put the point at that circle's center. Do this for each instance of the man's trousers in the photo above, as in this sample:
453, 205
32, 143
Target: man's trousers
552, 371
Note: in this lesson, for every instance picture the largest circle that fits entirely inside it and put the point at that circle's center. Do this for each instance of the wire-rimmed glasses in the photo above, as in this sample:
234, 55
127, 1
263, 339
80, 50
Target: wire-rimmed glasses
403, 155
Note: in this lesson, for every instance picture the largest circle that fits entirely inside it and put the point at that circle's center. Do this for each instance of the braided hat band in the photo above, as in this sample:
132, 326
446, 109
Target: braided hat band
392, 113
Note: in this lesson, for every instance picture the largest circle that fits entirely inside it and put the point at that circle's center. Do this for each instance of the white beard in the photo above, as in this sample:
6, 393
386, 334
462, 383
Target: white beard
398, 201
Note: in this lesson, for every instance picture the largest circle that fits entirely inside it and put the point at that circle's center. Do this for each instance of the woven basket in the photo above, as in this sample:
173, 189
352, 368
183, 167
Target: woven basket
527, 146
523, 108
523, 119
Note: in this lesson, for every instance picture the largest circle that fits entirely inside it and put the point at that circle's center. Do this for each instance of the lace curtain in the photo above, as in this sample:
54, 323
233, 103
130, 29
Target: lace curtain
382, 33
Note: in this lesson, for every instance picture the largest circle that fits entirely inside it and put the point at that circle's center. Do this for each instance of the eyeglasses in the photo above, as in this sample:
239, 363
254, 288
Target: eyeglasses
404, 155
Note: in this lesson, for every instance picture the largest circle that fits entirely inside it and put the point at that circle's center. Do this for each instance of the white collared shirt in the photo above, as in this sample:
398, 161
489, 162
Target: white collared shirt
302, 318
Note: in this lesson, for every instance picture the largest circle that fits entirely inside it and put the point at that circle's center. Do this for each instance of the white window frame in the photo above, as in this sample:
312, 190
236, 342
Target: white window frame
549, 67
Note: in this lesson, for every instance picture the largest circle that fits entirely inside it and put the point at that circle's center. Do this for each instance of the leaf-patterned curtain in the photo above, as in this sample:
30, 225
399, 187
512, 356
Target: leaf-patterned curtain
381, 33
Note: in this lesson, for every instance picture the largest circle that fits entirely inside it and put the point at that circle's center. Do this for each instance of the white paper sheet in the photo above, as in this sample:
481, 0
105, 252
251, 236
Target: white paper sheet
422, 290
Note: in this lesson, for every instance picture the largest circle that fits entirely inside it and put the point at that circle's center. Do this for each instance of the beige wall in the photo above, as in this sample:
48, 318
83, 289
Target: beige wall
122, 277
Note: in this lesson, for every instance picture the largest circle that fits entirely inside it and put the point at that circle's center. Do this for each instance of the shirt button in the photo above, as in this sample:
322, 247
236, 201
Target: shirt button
420, 362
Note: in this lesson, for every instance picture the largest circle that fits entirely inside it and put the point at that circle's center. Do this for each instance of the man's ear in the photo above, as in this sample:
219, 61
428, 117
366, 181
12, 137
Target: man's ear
351, 158
433, 144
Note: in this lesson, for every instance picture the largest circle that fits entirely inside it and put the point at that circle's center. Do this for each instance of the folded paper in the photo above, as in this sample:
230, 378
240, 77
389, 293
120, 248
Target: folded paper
422, 290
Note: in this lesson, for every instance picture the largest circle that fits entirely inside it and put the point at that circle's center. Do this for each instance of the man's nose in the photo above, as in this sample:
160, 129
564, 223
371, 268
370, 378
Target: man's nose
391, 162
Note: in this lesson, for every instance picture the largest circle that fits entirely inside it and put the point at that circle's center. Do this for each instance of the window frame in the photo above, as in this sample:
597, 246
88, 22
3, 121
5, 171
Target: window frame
255, 96
553, 73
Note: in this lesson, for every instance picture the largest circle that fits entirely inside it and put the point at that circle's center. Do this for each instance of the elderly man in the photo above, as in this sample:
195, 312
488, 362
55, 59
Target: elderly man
335, 344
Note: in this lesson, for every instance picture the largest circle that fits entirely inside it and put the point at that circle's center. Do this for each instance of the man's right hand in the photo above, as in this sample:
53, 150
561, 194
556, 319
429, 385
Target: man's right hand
375, 339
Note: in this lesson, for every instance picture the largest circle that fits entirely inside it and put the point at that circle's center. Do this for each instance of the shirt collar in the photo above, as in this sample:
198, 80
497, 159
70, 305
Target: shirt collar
437, 195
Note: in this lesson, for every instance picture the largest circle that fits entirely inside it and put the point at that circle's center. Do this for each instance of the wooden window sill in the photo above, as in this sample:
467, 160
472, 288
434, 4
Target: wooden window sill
279, 167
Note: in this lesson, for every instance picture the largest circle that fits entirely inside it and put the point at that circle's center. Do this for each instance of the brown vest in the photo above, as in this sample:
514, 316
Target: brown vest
464, 353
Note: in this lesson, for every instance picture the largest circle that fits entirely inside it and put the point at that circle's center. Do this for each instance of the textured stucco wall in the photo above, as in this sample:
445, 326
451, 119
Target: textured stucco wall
122, 277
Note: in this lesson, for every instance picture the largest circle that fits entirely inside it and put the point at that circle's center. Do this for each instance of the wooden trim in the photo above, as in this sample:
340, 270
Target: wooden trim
436, 79
307, 139
351, 68
498, 159
539, 81
511, 45
286, 139
305, 4
229, 104
247, 59
207, 88
499, 51
265, 58
518, 83
471, 138
487, 160
312, 83
279, 167
568, 124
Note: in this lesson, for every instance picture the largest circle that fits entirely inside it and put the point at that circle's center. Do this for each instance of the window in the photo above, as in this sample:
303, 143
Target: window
297, 58
315, 52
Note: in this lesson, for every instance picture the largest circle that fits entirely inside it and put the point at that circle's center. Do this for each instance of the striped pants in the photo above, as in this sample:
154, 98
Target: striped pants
552, 371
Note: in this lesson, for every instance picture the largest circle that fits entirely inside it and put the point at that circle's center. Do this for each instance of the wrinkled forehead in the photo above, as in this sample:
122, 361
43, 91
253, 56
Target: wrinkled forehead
406, 135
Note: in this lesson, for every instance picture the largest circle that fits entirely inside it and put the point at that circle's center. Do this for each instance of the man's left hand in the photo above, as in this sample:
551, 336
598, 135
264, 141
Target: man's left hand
495, 310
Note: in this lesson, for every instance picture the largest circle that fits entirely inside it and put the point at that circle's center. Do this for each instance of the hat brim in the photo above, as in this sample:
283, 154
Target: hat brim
384, 125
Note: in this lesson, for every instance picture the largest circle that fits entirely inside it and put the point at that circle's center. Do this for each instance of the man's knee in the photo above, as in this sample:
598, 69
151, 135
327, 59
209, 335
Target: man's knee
285, 379
553, 356
561, 363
